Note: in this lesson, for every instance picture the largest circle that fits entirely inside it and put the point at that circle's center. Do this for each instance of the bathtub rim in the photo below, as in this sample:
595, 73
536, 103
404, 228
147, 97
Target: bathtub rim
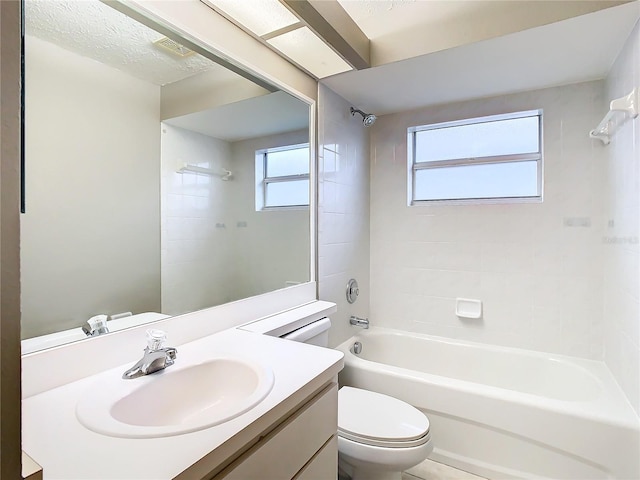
612, 407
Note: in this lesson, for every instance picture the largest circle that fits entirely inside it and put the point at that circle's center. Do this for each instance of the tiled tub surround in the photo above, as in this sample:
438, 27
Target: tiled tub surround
502, 412
622, 232
540, 279
343, 210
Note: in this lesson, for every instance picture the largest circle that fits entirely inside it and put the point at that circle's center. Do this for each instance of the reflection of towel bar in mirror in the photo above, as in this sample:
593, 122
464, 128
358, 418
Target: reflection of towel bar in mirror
224, 174
627, 104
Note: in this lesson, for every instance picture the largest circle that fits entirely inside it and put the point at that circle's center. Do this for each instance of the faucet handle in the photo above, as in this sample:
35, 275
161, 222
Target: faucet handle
156, 339
96, 325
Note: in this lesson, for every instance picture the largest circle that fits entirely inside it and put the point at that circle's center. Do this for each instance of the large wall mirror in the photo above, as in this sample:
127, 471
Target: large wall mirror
157, 181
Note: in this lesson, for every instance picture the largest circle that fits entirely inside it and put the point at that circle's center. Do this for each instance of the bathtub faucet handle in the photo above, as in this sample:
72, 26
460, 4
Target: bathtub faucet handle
359, 322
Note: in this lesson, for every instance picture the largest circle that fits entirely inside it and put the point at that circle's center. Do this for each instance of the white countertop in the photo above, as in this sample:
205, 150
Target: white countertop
53, 436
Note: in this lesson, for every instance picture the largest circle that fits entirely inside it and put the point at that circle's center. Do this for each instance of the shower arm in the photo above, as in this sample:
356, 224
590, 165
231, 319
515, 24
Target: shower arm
368, 119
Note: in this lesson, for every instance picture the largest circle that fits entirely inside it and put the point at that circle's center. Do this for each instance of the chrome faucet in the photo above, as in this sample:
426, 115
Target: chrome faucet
96, 325
359, 322
156, 357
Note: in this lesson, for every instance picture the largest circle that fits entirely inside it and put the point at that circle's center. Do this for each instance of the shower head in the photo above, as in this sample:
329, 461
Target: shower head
368, 119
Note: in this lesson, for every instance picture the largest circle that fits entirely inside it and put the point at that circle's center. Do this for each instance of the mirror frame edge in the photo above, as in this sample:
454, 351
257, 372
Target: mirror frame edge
10, 157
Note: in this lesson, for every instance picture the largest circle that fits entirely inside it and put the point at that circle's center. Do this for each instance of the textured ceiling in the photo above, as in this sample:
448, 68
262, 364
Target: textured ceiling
94, 30
402, 29
378, 18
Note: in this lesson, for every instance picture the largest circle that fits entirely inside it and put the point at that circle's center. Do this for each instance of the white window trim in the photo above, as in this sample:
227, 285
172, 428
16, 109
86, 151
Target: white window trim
262, 180
413, 167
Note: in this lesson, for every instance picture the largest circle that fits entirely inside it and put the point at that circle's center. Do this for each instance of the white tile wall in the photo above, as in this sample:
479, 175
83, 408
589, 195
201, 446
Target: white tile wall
215, 247
540, 281
622, 233
197, 241
343, 211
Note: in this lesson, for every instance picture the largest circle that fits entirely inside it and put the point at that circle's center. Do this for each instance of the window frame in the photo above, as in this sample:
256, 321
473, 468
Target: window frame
262, 180
414, 167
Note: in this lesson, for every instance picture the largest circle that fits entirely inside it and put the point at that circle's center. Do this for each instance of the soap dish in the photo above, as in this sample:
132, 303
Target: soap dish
468, 308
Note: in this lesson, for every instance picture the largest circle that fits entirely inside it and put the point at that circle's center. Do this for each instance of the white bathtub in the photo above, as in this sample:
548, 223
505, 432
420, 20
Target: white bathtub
503, 412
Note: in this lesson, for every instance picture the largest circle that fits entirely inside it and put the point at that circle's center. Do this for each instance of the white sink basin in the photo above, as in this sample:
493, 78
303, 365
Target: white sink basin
176, 400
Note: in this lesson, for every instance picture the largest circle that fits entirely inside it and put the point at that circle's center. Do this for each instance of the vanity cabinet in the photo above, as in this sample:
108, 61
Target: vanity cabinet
303, 447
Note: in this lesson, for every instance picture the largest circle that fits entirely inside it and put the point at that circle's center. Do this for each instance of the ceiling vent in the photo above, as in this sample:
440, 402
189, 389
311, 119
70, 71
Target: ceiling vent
173, 47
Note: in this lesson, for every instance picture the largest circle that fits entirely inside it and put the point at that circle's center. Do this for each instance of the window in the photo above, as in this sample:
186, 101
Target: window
488, 159
282, 177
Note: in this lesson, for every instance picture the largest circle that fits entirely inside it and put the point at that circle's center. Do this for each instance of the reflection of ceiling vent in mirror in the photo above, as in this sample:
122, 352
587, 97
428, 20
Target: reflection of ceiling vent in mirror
173, 47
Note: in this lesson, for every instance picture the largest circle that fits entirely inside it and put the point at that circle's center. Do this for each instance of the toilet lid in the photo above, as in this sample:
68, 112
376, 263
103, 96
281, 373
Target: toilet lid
370, 415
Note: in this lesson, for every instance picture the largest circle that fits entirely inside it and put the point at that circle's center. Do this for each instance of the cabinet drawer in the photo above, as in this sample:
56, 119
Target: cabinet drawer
324, 466
282, 453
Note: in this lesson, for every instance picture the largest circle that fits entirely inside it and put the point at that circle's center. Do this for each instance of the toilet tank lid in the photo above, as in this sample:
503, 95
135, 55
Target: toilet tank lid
375, 416
289, 320
309, 331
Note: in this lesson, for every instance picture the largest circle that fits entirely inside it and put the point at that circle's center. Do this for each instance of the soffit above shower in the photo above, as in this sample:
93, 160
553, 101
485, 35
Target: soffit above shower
270, 114
561, 53
95, 30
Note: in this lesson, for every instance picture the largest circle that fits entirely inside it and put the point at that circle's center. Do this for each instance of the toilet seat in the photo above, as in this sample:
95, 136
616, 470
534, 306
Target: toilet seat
379, 420
384, 443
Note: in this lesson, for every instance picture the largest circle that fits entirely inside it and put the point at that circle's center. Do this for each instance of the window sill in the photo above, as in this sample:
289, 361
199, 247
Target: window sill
284, 208
476, 201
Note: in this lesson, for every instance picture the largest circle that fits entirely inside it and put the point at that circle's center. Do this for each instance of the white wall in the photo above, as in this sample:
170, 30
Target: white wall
215, 247
272, 247
343, 210
621, 237
91, 234
540, 282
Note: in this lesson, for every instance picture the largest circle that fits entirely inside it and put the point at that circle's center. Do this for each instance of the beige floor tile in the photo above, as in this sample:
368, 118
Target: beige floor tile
408, 476
430, 470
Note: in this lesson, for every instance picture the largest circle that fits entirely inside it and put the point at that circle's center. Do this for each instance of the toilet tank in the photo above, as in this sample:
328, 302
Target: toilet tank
307, 323
315, 333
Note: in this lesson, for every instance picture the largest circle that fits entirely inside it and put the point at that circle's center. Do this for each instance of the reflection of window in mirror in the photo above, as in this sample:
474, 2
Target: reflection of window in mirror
282, 177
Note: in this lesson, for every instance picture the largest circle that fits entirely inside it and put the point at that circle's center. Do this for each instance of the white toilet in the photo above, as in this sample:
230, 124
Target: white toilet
378, 436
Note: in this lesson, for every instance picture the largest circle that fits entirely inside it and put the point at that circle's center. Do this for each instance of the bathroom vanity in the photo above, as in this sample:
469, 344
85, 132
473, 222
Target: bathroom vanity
309, 439
289, 434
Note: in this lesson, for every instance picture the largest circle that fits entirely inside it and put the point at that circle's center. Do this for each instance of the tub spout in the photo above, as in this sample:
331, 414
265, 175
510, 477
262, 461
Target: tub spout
359, 322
